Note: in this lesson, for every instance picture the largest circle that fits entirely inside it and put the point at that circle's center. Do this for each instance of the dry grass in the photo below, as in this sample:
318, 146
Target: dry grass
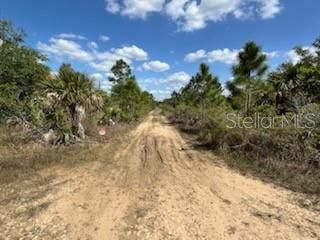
274, 156
21, 156
298, 177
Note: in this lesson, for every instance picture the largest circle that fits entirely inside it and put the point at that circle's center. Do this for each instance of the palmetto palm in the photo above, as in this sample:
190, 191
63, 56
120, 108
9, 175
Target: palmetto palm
75, 92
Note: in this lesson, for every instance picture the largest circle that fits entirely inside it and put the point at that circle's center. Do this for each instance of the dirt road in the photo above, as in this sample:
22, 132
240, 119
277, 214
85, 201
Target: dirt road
155, 186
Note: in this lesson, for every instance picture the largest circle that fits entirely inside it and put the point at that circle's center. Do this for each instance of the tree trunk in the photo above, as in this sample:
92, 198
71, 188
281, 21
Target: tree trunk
77, 113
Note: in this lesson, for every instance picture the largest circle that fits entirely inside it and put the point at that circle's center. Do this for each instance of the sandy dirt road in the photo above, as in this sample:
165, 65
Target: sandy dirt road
155, 186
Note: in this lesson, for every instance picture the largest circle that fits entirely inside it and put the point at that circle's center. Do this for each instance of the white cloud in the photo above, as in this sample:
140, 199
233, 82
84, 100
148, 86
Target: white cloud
70, 36
97, 76
178, 78
161, 94
196, 56
226, 55
156, 66
132, 52
101, 80
93, 45
270, 8
104, 38
112, 6
105, 60
141, 8
191, 15
225, 91
173, 82
162, 88
273, 54
295, 58
54, 73
135, 8
65, 48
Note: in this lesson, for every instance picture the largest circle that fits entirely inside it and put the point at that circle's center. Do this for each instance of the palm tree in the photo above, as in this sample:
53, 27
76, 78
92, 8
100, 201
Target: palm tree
74, 92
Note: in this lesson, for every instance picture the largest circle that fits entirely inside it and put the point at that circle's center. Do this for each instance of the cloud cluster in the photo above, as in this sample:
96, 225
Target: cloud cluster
173, 80
177, 79
226, 56
100, 60
105, 60
70, 36
65, 48
191, 15
156, 66
104, 38
101, 80
166, 85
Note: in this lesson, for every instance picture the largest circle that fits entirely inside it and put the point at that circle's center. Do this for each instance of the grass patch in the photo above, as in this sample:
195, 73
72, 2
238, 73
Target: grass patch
294, 176
276, 156
22, 156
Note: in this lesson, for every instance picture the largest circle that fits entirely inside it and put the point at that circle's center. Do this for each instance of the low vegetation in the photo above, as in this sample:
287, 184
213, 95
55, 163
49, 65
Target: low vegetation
43, 114
268, 123
40, 101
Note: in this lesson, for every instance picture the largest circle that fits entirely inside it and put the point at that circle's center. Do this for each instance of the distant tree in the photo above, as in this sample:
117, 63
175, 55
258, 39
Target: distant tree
126, 93
174, 100
247, 73
121, 72
203, 89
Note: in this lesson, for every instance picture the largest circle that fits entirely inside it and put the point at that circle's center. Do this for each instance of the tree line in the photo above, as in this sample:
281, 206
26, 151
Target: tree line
33, 97
291, 92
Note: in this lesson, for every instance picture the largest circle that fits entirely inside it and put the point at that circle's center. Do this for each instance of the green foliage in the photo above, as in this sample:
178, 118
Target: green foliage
38, 100
298, 84
283, 153
199, 105
20, 71
247, 77
19, 65
121, 72
71, 87
203, 89
9, 34
130, 101
68, 93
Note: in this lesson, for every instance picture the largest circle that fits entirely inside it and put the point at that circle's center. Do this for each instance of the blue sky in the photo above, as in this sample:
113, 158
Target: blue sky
163, 40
